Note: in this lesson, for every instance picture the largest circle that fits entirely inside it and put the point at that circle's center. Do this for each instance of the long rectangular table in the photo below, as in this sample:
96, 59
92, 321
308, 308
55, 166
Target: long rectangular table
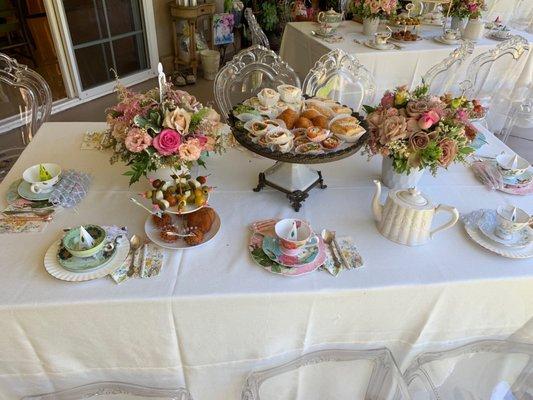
212, 315
300, 49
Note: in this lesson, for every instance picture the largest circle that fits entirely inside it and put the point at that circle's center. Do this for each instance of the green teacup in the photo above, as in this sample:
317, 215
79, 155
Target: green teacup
72, 238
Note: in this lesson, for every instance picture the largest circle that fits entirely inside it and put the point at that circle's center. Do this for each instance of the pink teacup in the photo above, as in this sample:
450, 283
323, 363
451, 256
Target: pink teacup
288, 245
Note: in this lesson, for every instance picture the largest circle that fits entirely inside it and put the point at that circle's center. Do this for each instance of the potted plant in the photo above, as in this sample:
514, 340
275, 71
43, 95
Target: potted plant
269, 20
463, 10
371, 11
415, 131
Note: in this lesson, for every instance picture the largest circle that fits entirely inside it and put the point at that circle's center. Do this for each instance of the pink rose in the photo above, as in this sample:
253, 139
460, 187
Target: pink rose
428, 120
416, 108
167, 142
190, 150
137, 140
393, 128
449, 151
419, 140
461, 115
387, 100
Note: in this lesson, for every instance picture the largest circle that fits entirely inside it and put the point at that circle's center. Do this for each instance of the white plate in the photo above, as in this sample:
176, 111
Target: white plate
53, 267
152, 232
506, 251
442, 40
387, 46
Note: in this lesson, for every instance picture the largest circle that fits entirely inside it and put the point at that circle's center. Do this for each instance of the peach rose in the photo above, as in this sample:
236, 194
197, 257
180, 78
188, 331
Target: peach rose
190, 150
179, 120
449, 151
416, 108
137, 140
393, 128
419, 140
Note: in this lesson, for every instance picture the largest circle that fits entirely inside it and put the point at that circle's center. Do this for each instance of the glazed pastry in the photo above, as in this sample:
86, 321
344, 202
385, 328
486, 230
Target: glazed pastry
288, 116
310, 114
166, 234
320, 121
347, 126
331, 143
303, 122
316, 134
196, 238
338, 109
162, 221
202, 219
268, 97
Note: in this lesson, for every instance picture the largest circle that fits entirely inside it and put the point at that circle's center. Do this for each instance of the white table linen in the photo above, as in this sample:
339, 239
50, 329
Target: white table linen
213, 315
300, 49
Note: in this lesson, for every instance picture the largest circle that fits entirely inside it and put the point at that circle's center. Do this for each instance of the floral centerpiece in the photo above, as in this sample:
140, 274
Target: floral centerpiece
161, 129
467, 8
371, 11
414, 131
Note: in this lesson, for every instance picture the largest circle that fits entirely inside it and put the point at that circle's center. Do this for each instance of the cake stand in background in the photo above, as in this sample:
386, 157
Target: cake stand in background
291, 173
434, 12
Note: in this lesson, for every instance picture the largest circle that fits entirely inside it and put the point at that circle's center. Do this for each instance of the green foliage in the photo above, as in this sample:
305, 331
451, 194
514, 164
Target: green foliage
369, 109
269, 16
197, 118
421, 91
152, 122
139, 166
228, 6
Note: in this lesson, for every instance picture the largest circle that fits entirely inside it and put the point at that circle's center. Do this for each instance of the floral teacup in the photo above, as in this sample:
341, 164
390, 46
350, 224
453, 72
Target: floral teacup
291, 242
381, 38
510, 220
451, 34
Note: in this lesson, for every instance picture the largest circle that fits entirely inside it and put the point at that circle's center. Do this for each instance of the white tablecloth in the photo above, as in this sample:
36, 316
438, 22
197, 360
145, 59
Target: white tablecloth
301, 50
212, 315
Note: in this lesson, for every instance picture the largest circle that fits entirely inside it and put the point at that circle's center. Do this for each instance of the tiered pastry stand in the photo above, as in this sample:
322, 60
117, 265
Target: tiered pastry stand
291, 174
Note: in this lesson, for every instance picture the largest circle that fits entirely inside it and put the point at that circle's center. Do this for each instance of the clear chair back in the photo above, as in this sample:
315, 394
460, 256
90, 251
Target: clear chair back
341, 77
114, 391
258, 36
522, 16
483, 370
330, 374
247, 73
491, 71
442, 76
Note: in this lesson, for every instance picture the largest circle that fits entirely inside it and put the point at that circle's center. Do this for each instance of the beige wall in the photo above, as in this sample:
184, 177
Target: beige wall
163, 26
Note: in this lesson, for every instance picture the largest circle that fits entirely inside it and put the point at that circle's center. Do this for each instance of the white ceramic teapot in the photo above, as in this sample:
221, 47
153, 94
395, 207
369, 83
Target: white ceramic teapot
473, 30
407, 214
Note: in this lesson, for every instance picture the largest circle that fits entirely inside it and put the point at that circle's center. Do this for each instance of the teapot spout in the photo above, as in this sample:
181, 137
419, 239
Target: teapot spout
377, 207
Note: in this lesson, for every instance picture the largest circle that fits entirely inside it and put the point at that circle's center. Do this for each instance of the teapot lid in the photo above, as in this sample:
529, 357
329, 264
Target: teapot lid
412, 197
331, 11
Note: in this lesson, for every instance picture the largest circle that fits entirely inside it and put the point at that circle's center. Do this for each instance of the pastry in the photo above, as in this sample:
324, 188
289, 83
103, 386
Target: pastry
289, 93
310, 114
166, 234
258, 128
331, 143
316, 134
309, 148
288, 116
338, 109
202, 219
162, 221
303, 122
345, 126
268, 97
300, 140
286, 147
320, 121
278, 136
197, 237
321, 107
274, 123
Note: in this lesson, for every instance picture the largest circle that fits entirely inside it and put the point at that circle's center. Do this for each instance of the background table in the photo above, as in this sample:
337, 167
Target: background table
212, 315
300, 49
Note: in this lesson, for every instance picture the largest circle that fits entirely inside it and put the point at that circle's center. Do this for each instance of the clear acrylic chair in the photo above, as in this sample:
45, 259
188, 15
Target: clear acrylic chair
492, 70
25, 88
522, 16
258, 36
330, 374
247, 73
114, 391
482, 370
341, 77
519, 117
442, 76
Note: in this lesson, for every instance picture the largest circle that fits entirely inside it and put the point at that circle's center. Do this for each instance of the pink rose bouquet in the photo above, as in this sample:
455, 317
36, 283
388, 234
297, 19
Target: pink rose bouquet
374, 8
147, 133
419, 131
467, 8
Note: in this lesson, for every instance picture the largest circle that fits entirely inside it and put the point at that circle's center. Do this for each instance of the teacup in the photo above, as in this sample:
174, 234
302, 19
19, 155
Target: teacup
31, 175
292, 245
502, 33
451, 34
289, 93
509, 220
381, 38
511, 165
325, 29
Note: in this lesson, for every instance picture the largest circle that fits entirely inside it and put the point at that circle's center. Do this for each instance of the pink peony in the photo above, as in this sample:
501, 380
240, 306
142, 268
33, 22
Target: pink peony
190, 150
428, 120
137, 140
167, 142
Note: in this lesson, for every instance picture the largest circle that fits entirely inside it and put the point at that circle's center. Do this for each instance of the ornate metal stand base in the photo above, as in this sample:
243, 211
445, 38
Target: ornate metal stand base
295, 180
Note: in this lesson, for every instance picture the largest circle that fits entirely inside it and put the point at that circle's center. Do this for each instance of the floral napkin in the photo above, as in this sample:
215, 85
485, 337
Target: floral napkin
350, 253
18, 225
147, 264
92, 141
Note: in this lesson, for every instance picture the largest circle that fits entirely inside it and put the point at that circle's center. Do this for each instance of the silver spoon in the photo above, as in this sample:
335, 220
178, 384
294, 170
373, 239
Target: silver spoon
135, 244
328, 238
343, 259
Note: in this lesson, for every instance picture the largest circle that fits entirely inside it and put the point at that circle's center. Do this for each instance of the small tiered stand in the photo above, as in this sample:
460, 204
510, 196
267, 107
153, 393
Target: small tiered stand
291, 174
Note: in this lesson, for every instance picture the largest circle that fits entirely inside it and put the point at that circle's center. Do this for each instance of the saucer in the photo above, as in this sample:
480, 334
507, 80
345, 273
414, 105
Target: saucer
443, 40
323, 35
84, 264
498, 38
521, 180
25, 192
487, 226
272, 249
372, 45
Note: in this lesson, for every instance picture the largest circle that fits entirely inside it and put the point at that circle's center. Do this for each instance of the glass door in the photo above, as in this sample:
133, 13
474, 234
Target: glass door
104, 38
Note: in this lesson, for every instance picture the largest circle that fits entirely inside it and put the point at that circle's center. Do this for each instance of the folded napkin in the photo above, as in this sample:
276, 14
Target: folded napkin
489, 175
147, 264
71, 189
22, 223
350, 253
93, 141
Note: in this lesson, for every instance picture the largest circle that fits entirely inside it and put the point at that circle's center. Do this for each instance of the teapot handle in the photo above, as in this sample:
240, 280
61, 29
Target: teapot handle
319, 17
450, 223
